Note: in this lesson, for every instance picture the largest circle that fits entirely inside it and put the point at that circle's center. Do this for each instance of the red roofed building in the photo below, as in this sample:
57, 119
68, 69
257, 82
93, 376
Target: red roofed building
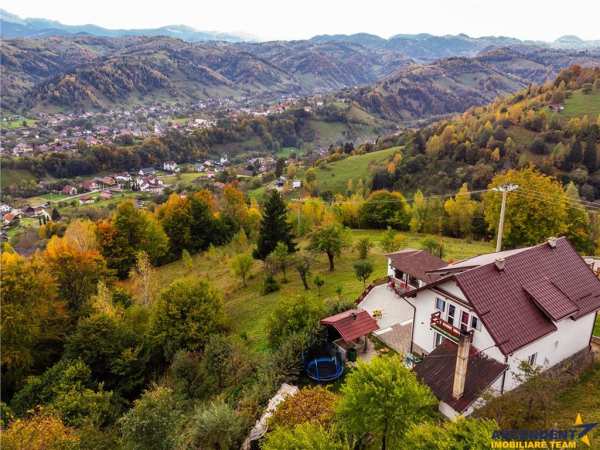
535, 304
409, 268
351, 324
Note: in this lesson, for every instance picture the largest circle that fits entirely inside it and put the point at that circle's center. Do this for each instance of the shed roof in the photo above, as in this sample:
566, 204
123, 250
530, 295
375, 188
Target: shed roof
352, 324
437, 371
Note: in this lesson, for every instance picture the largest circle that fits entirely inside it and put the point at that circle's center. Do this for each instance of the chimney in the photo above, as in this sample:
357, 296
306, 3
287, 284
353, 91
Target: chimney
552, 242
462, 360
500, 262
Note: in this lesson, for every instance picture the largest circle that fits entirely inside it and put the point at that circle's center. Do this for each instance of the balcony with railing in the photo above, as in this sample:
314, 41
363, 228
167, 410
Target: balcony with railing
446, 329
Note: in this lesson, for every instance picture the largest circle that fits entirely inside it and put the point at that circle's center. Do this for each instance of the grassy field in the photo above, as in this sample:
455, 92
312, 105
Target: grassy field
597, 326
248, 310
580, 104
334, 176
11, 124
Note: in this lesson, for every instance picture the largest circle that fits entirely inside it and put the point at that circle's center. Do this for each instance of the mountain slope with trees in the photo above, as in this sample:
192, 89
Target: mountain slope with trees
543, 125
456, 84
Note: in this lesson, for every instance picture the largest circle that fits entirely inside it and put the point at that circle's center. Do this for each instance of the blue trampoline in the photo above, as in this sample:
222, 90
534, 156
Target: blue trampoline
324, 368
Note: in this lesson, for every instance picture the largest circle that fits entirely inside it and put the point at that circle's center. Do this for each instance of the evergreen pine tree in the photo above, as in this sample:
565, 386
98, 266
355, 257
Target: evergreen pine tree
274, 227
590, 155
55, 215
575, 155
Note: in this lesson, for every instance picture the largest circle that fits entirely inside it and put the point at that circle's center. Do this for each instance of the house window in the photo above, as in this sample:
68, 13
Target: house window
438, 339
475, 323
451, 314
532, 358
440, 304
464, 321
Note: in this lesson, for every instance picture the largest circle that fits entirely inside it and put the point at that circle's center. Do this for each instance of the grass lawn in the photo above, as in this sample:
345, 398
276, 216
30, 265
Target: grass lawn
184, 178
334, 176
597, 326
580, 104
285, 152
248, 310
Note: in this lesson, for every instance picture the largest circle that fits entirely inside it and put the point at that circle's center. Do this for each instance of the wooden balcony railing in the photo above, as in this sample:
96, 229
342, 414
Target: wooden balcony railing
440, 325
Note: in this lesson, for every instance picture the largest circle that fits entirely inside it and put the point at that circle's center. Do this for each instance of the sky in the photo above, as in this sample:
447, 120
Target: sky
301, 19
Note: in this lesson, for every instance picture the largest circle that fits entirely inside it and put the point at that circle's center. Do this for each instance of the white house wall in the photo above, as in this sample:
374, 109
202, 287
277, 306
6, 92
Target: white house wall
571, 337
423, 335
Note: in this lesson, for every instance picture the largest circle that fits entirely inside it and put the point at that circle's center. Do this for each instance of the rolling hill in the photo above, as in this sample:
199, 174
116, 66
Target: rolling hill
76, 73
455, 84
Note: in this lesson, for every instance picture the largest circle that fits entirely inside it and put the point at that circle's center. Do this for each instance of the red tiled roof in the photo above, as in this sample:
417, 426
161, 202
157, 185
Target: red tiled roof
437, 371
550, 299
416, 263
502, 298
352, 324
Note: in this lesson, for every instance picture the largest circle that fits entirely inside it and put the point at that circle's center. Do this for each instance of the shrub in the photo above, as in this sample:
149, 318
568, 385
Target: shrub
151, 423
314, 405
293, 316
269, 285
216, 426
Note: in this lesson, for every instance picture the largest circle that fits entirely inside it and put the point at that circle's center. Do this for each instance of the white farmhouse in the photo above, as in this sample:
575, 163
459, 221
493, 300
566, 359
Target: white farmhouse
476, 320
536, 304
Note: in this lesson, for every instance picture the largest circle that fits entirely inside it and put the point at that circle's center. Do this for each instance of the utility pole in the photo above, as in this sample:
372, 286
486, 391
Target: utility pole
505, 189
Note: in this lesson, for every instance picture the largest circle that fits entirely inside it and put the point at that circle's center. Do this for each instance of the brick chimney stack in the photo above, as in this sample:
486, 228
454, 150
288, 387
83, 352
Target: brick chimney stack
462, 360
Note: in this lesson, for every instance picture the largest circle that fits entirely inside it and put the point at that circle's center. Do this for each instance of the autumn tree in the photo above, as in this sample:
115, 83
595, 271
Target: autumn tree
374, 389
241, 266
418, 213
76, 264
461, 210
578, 222
175, 218
33, 318
186, 314
329, 240
536, 211
42, 431
312, 405
274, 227
143, 276
129, 231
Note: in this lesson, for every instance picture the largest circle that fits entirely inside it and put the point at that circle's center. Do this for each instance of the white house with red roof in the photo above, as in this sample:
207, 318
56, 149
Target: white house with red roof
476, 320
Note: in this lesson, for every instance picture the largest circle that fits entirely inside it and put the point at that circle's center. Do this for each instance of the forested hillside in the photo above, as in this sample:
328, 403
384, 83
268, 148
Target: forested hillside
554, 126
456, 84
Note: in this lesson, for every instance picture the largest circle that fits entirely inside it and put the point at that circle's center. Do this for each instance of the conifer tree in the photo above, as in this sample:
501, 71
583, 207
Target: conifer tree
274, 227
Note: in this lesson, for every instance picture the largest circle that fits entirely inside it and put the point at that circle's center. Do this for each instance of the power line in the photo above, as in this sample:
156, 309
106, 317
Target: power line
572, 200
546, 198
